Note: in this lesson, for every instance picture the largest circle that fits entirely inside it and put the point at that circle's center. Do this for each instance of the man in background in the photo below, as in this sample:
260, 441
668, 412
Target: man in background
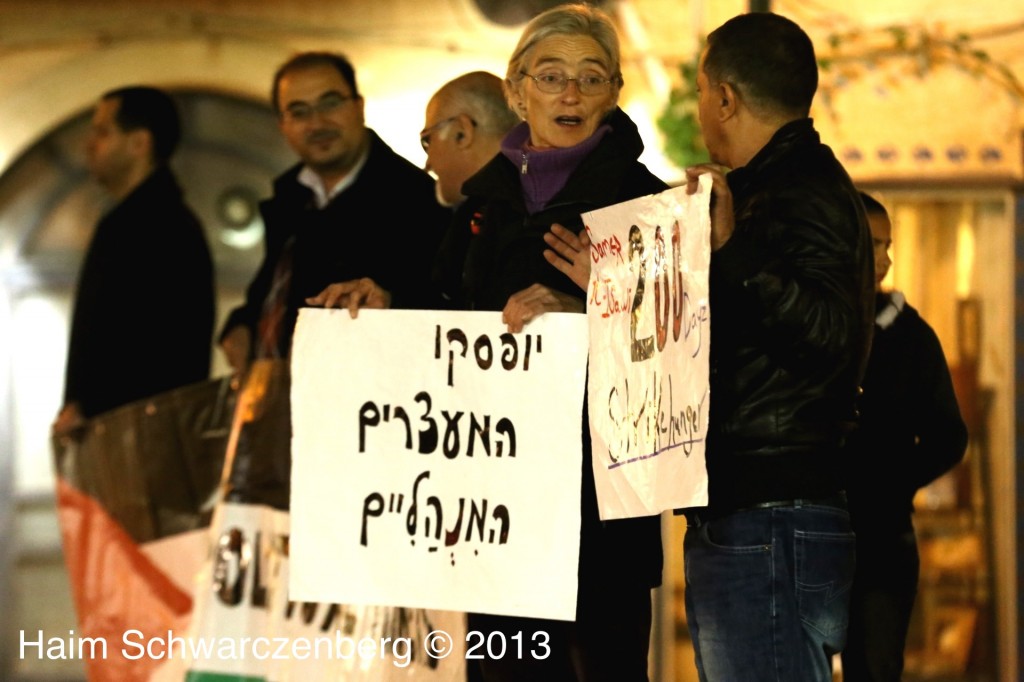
350, 210
911, 432
144, 311
464, 124
465, 121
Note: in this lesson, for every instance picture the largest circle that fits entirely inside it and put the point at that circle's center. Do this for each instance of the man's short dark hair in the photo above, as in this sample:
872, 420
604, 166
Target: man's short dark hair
305, 60
872, 206
145, 108
768, 59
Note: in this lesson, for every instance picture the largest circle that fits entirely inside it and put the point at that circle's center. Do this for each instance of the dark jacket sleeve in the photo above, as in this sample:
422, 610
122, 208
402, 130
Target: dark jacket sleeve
419, 223
941, 435
791, 265
176, 315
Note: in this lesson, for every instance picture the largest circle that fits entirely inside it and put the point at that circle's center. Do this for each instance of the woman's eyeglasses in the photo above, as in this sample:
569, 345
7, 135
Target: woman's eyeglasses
555, 82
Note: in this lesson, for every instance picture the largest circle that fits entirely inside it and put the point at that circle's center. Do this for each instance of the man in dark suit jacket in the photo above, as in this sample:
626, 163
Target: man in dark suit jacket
351, 210
144, 312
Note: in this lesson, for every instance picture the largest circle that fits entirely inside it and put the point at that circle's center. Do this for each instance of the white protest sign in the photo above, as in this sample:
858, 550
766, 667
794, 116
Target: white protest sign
649, 338
436, 461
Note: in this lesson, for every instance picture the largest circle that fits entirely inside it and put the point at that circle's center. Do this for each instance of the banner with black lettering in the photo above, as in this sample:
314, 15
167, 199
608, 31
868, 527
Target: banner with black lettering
649, 339
436, 461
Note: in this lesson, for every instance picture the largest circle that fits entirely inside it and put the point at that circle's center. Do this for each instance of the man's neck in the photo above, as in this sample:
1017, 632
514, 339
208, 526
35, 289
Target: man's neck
326, 185
749, 143
331, 176
127, 184
487, 151
751, 136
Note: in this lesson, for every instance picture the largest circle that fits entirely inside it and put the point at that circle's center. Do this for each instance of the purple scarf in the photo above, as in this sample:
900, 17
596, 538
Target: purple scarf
544, 172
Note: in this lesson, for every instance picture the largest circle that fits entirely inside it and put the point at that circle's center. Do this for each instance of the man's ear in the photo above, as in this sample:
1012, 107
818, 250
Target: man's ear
360, 105
140, 142
465, 132
729, 100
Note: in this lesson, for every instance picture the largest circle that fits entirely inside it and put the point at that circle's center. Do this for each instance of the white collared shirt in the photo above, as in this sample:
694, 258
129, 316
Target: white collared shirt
311, 179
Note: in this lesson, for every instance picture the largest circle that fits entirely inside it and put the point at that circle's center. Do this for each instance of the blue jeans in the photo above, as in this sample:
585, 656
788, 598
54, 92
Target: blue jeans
767, 592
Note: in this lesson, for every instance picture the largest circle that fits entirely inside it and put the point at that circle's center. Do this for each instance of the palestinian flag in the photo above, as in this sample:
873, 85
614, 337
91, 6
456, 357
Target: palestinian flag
135, 495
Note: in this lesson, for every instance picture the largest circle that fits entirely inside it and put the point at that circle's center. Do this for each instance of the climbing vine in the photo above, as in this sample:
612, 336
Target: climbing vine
897, 52
892, 53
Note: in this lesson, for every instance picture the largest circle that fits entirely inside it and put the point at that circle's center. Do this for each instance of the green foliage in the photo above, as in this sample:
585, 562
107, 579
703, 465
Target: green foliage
678, 121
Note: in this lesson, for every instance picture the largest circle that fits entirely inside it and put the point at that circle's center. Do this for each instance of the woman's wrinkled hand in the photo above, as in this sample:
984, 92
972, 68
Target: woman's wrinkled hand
570, 253
534, 301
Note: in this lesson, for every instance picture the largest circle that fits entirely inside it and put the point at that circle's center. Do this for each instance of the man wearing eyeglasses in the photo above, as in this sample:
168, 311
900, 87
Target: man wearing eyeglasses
327, 221
466, 120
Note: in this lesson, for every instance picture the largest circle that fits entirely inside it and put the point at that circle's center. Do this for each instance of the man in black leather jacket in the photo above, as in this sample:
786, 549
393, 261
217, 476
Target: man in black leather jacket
770, 561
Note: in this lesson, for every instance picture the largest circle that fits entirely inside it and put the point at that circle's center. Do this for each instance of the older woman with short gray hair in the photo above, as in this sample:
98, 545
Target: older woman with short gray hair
574, 152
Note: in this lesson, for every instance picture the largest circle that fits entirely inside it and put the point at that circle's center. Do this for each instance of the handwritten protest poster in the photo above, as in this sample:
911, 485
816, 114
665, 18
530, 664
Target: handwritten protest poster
436, 461
649, 338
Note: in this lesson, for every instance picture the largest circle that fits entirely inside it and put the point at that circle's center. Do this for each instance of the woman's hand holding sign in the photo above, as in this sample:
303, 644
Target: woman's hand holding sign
569, 253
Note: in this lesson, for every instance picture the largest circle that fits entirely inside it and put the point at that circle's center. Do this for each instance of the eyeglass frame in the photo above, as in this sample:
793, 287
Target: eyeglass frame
429, 130
616, 80
328, 102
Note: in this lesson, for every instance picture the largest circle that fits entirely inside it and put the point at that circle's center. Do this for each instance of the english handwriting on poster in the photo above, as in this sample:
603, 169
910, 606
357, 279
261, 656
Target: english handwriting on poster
649, 335
649, 425
670, 294
444, 459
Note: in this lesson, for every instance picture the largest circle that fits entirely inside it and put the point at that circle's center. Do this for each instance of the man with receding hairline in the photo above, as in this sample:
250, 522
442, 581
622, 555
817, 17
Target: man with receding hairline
464, 124
465, 121
770, 560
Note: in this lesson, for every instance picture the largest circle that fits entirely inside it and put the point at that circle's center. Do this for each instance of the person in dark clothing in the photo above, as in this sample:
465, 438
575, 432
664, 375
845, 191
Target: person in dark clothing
576, 151
769, 562
144, 311
351, 210
911, 432
465, 122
